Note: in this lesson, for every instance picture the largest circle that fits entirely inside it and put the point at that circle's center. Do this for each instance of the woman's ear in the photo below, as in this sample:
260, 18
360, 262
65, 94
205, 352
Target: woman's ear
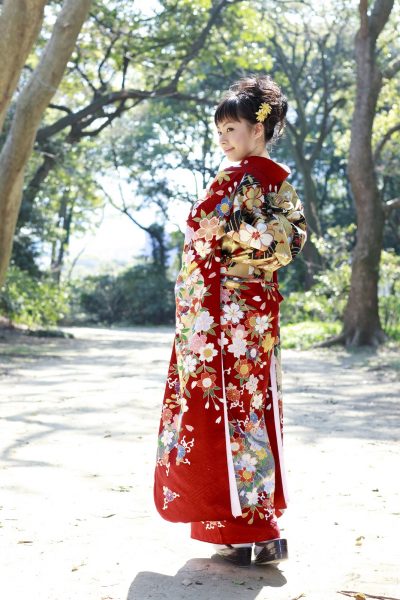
258, 130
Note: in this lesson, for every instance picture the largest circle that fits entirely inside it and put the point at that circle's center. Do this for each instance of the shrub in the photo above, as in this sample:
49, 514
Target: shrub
33, 301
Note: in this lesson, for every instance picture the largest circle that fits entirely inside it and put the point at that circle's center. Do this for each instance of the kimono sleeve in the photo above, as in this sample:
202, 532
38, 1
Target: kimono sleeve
271, 226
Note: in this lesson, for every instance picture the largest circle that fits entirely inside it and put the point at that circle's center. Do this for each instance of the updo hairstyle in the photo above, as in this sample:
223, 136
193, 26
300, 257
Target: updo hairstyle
244, 98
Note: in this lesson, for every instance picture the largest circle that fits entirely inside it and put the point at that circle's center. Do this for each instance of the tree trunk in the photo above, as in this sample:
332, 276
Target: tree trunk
361, 317
311, 254
20, 23
32, 102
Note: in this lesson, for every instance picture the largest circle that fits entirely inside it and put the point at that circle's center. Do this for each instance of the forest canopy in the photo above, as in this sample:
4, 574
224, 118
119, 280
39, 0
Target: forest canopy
125, 92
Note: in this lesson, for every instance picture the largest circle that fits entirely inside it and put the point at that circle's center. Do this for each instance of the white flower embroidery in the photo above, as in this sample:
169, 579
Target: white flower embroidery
237, 347
203, 321
252, 497
248, 462
208, 352
262, 323
257, 401
255, 236
232, 312
189, 364
167, 437
189, 234
188, 258
251, 384
202, 248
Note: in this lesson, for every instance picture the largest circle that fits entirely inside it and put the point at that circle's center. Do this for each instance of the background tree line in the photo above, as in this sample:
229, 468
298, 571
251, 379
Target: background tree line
107, 89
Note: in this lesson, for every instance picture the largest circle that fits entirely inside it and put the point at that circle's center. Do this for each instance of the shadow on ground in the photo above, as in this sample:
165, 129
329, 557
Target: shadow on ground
206, 578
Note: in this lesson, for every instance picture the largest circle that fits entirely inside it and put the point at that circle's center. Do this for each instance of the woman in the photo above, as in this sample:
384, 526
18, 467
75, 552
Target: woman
220, 459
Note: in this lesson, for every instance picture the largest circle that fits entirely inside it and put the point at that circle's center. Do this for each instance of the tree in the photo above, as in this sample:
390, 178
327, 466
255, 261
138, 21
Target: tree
139, 59
361, 317
310, 62
26, 16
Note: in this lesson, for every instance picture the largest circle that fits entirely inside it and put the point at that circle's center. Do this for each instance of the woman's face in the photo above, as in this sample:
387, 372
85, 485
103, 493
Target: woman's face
240, 138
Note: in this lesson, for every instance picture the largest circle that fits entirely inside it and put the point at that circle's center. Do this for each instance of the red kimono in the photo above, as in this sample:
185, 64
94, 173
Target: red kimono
220, 457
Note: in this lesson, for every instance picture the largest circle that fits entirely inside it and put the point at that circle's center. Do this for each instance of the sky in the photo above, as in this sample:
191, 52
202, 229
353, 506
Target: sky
118, 241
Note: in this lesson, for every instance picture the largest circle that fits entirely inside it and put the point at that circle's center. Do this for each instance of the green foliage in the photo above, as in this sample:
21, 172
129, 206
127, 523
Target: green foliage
31, 301
326, 300
307, 333
139, 295
389, 294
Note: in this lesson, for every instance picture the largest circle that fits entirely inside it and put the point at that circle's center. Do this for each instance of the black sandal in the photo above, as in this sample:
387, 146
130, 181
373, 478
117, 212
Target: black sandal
238, 556
272, 552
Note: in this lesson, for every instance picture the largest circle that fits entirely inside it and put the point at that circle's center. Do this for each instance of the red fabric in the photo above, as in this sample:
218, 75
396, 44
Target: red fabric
191, 476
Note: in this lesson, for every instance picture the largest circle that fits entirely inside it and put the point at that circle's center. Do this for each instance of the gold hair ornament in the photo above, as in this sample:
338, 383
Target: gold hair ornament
263, 112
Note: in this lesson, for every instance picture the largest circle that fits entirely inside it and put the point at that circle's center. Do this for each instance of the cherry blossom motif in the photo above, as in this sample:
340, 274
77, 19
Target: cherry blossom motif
208, 352
252, 497
188, 258
222, 176
167, 437
256, 237
243, 367
189, 234
203, 321
189, 364
166, 416
253, 197
246, 475
208, 228
263, 322
257, 401
232, 393
239, 331
251, 384
197, 342
206, 381
248, 461
203, 249
232, 312
237, 347
225, 295
223, 340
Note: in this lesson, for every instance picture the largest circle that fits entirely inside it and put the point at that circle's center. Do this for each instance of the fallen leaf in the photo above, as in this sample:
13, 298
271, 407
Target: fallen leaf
359, 540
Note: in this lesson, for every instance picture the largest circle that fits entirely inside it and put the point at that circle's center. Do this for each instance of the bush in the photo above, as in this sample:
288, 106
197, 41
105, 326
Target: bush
141, 295
327, 299
33, 301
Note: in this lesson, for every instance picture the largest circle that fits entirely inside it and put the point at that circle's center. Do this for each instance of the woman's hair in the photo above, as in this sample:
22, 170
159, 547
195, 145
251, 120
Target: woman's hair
244, 98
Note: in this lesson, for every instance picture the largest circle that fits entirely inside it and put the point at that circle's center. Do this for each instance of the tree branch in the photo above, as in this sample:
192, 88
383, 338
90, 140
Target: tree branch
391, 70
96, 106
391, 205
198, 44
384, 140
379, 16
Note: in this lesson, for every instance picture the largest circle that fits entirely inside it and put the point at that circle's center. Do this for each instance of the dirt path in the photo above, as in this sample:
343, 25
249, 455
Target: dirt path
78, 426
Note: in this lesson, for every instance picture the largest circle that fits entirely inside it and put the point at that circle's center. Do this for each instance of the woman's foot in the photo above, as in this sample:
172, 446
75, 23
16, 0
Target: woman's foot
271, 552
238, 556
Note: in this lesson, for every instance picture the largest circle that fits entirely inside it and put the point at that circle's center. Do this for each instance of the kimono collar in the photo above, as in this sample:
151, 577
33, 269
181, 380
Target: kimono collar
265, 169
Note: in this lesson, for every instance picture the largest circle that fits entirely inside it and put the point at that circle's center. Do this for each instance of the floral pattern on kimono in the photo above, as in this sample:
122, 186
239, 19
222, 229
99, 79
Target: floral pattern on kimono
192, 472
